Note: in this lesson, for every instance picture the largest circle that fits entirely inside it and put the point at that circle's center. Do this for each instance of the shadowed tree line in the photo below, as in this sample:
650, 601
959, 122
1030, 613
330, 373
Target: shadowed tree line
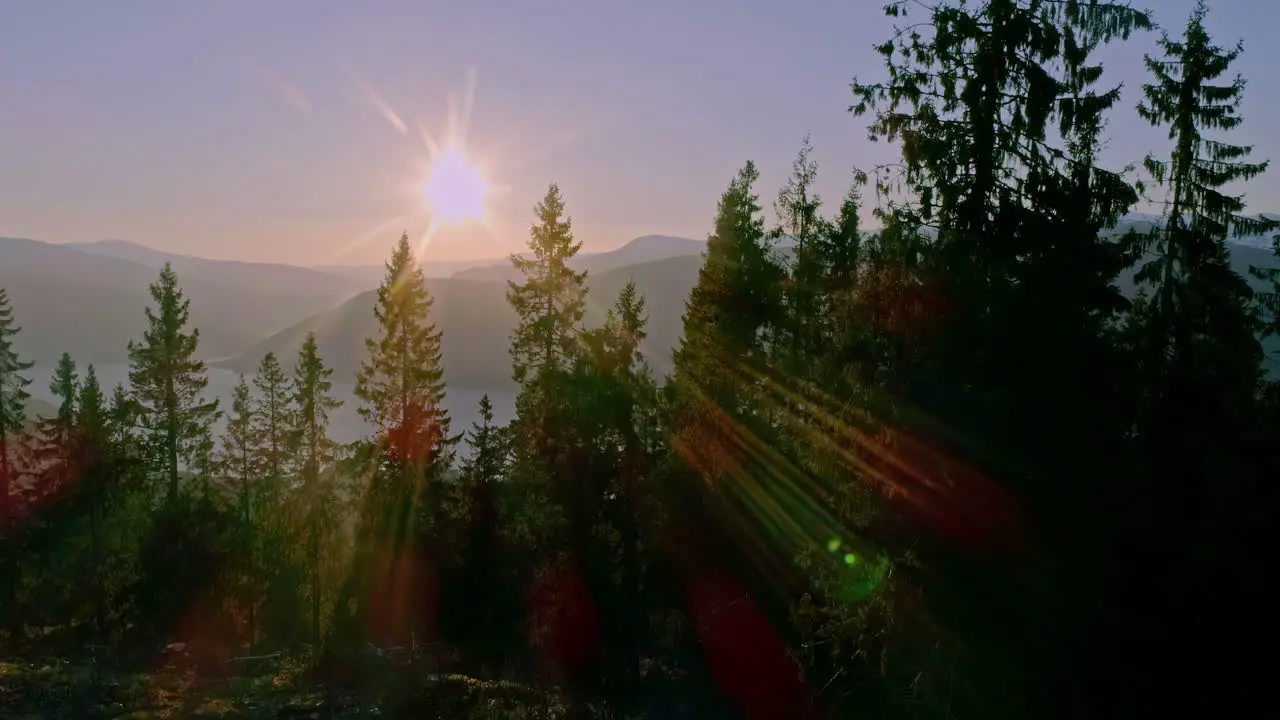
939, 469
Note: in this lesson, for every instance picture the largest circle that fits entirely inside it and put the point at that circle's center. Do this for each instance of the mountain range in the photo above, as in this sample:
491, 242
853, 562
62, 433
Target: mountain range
88, 299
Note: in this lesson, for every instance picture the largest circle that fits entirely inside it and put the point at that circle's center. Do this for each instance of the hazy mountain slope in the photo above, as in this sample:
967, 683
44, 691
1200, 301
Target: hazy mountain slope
477, 323
37, 408
473, 316
648, 248
92, 304
289, 291
89, 306
368, 276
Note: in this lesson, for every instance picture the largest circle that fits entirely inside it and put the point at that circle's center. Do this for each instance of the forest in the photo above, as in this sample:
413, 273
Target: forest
940, 469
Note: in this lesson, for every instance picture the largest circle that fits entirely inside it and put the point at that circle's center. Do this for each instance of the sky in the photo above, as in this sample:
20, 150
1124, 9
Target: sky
252, 130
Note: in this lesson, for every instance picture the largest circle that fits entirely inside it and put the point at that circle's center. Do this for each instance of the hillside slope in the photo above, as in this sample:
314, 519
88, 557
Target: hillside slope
92, 303
477, 323
644, 249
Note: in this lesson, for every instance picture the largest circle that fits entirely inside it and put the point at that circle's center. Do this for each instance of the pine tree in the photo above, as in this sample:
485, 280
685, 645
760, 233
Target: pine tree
238, 457
1200, 306
483, 469
722, 426
168, 382
13, 399
622, 419
486, 458
96, 482
312, 404
57, 447
92, 416
401, 383
549, 301
122, 418
721, 354
998, 206
797, 209
402, 391
1196, 337
272, 421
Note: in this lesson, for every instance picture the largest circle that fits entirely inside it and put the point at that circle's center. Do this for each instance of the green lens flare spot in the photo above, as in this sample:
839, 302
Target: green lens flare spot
850, 559
833, 545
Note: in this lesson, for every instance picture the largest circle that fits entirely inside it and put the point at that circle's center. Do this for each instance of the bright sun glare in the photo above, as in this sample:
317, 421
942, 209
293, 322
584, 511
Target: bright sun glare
455, 190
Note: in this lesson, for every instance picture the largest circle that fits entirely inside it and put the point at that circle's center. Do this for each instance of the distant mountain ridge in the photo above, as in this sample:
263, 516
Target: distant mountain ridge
88, 298
476, 322
89, 301
646, 248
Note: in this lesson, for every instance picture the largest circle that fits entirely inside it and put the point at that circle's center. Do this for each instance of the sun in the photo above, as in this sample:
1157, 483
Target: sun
455, 190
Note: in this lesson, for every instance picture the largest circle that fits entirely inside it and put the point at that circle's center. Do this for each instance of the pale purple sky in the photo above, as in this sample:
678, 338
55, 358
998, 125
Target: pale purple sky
244, 128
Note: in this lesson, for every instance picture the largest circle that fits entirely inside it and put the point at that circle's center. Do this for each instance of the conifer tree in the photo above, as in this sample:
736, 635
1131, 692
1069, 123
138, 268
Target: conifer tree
238, 458
1199, 313
312, 404
13, 400
57, 449
624, 420
95, 481
92, 418
549, 301
551, 298
483, 469
271, 420
1196, 336
168, 382
486, 462
721, 425
401, 383
721, 353
122, 418
797, 209
1001, 200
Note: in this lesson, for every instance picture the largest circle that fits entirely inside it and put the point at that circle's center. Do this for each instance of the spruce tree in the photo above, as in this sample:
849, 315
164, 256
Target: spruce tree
122, 418
483, 469
722, 354
1196, 337
168, 383
13, 400
310, 410
271, 420
1199, 310
95, 483
486, 454
998, 111
401, 383
549, 302
797, 209
402, 391
722, 429
238, 457
57, 447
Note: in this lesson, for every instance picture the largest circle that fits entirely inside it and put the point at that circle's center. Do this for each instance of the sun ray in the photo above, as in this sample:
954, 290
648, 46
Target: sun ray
468, 102
455, 188
425, 240
364, 238
375, 99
